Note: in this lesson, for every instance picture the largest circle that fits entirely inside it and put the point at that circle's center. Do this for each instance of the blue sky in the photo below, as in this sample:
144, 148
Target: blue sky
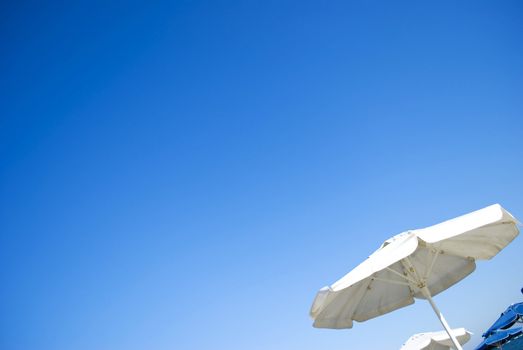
187, 174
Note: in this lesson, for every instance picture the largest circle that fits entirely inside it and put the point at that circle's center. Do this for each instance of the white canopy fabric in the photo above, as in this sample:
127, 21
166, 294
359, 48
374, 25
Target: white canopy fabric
414, 264
436, 340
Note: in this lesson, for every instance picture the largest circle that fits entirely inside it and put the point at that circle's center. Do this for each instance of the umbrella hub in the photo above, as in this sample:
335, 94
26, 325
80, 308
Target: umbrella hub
412, 275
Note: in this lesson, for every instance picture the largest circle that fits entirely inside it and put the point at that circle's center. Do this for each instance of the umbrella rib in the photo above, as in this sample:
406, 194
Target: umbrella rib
429, 270
390, 281
411, 270
401, 275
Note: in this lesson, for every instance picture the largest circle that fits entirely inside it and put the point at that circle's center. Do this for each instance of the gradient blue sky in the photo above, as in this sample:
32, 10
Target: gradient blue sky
187, 174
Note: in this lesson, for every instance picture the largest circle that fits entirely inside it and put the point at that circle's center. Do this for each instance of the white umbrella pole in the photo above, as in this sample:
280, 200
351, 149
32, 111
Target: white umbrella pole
426, 294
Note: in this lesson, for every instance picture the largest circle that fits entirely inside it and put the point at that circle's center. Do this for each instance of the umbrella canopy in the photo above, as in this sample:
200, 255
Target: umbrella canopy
436, 340
499, 337
414, 264
511, 315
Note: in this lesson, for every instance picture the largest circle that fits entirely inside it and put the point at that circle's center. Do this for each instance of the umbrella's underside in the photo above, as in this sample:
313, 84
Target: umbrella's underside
414, 264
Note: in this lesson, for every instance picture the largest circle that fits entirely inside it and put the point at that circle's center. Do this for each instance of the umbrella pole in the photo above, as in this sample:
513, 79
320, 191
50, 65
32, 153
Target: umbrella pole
426, 294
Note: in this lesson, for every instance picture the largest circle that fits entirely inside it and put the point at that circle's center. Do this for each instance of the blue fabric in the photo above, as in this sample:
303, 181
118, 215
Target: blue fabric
515, 343
502, 335
507, 319
518, 308
482, 346
499, 336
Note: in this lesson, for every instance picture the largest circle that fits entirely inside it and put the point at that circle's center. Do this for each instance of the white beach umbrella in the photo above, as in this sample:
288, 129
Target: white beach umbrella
414, 264
436, 340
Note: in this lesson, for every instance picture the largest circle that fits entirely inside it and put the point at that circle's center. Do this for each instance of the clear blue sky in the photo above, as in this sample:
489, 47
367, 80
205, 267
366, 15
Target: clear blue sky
186, 175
